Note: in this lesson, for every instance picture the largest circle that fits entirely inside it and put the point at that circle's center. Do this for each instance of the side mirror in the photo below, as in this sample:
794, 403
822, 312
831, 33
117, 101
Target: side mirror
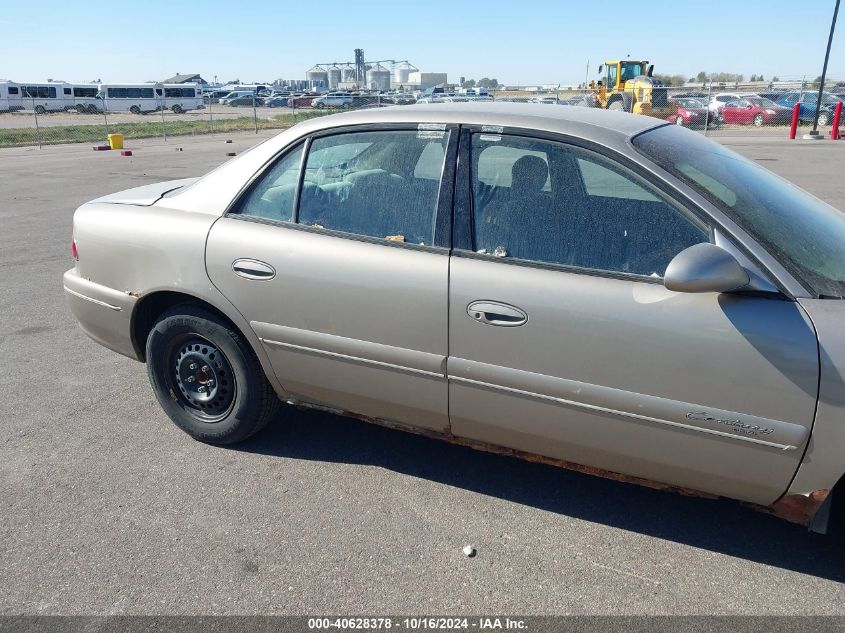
749, 106
705, 268
601, 68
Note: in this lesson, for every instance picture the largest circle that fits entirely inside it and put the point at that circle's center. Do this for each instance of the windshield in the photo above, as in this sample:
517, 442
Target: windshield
690, 103
761, 101
631, 70
806, 235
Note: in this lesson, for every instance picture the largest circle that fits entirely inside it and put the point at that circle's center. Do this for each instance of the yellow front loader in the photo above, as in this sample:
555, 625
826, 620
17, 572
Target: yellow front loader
628, 86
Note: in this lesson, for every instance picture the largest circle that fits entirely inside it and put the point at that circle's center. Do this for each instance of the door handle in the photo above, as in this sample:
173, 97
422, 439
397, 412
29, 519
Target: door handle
495, 313
253, 269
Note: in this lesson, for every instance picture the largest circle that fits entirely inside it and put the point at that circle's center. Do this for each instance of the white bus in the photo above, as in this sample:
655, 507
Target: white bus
42, 98
10, 96
82, 98
138, 98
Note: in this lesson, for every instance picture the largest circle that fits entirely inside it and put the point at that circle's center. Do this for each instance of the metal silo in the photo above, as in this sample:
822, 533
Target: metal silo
378, 78
348, 73
334, 77
317, 77
402, 72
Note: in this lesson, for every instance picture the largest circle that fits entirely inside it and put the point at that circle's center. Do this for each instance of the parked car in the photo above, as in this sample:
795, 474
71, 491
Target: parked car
587, 100
245, 100
214, 96
235, 94
754, 110
719, 100
333, 100
303, 101
277, 102
691, 112
809, 102
550, 285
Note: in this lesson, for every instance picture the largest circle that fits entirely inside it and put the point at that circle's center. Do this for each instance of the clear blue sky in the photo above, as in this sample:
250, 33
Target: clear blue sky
525, 41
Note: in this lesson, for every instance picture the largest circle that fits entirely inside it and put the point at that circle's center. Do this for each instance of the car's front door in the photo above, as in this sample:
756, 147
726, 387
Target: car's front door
564, 342
335, 258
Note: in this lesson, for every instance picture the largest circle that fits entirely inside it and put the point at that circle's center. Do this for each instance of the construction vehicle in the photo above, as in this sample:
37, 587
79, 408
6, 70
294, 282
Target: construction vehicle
627, 85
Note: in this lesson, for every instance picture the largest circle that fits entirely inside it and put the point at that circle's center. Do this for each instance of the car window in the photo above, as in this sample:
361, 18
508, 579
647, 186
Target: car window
548, 202
379, 184
273, 196
802, 232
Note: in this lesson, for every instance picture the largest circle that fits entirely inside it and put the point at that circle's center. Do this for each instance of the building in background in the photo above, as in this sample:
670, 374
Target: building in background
423, 81
185, 79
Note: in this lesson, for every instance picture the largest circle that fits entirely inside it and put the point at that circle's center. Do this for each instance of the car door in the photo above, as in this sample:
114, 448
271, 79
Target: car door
563, 341
335, 256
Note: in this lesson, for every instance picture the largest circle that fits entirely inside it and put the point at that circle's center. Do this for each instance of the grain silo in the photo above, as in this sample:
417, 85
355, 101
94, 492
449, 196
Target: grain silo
317, 77
378, 78
348, 73
401, 73
334, 77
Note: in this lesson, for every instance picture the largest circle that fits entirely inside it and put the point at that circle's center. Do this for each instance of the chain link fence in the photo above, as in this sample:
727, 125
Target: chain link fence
50, 114
709, 107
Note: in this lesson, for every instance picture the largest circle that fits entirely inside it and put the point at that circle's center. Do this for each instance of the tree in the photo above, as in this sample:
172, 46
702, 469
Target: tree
469, 83
486, 82
775, 78
670, 80
701, 77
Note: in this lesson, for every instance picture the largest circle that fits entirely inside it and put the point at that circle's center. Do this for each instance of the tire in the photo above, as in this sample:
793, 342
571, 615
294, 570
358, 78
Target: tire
40, 109
177, 109
190, 350
82, 109
679, 120
824, 118
92, 109
135, 109
617, 105
758, 120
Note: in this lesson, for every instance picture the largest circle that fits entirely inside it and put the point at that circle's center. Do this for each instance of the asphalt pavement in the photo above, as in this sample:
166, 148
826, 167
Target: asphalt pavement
107, 508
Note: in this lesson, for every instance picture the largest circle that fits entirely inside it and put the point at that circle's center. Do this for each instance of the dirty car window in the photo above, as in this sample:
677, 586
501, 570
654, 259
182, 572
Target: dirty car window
374, 184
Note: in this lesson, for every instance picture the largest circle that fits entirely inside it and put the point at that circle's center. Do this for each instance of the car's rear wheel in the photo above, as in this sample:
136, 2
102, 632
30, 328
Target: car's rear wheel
824, 118
135, 109
679, 120
177, 109
616, 105
39, 109
206, 377
758, 120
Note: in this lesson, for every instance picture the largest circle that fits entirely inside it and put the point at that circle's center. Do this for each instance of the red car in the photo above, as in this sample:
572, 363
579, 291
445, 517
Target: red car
756, 110
690, 112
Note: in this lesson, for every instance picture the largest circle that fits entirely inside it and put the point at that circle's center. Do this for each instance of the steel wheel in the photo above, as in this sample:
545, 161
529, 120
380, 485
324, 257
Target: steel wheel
202, 379
758, 120
824, 118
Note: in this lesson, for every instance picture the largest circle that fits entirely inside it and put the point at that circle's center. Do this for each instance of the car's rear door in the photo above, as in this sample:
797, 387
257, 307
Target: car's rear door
564, 342
337, 255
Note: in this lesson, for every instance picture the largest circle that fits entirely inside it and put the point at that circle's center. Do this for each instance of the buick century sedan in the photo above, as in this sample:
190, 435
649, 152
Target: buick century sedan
599, 290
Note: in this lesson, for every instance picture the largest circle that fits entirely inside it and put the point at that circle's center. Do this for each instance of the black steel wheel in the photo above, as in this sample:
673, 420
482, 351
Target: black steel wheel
206, 377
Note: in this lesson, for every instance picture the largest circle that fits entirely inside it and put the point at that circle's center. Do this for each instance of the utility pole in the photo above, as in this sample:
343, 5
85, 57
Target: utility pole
815, 131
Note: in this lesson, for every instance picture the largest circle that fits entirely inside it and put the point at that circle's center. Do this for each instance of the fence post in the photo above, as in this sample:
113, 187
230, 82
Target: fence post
210, 115
707, 114
37, 129
254, 113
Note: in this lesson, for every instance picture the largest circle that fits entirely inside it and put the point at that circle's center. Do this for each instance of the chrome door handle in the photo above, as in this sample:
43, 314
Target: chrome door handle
495, 313
253, 269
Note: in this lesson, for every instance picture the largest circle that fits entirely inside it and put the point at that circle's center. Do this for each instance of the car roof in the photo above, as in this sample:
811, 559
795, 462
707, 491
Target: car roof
578, 122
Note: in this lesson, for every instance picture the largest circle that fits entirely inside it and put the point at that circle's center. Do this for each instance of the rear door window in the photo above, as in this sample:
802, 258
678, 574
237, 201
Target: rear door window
381, 184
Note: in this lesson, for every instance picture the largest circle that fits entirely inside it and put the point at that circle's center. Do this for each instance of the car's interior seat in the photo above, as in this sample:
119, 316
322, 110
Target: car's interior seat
524, 222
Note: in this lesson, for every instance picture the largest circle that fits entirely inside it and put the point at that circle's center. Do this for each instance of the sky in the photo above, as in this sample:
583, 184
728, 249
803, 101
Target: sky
522, 42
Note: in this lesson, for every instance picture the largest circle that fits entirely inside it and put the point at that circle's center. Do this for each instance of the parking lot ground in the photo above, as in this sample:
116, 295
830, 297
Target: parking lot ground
107, 508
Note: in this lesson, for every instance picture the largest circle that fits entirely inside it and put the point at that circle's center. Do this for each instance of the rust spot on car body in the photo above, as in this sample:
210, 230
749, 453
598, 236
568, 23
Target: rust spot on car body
798, 508
794, 508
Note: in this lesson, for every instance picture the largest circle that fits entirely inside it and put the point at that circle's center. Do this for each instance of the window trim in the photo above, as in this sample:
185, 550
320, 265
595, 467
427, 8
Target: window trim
464, 216
442, 214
